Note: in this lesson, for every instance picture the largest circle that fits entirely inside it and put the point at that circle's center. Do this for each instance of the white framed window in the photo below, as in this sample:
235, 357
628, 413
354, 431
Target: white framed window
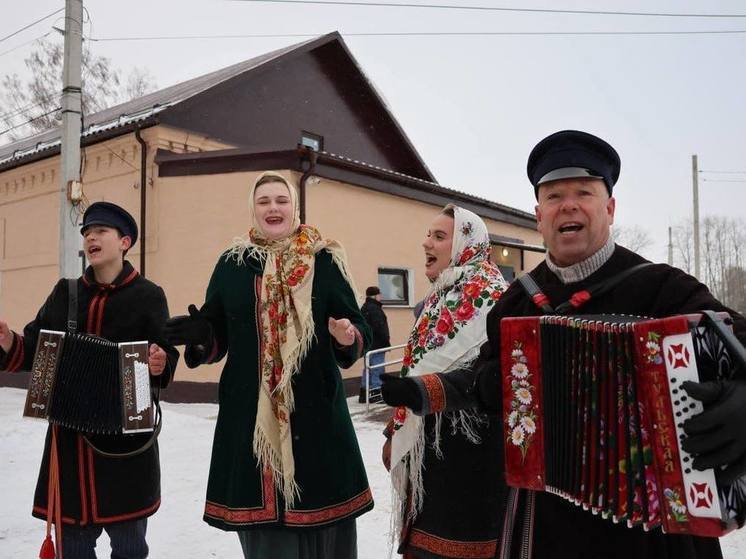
396, 285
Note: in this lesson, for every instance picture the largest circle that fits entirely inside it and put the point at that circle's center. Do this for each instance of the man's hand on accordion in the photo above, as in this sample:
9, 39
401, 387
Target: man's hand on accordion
400, 391
191, 329
717, 436
156, 359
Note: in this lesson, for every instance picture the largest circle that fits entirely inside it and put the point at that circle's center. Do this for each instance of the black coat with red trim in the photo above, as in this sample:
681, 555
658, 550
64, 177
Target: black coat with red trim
561, 528
96, 489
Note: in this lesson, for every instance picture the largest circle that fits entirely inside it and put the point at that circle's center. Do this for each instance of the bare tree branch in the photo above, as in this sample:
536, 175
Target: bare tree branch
29, 107
722, 261
634, 238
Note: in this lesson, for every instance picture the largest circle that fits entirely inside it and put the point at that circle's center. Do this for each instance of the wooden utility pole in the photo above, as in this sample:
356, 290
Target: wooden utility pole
695, 187
70, 191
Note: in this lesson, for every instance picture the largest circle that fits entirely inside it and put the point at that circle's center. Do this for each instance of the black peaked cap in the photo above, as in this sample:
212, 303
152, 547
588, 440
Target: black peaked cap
571, 154
111, 215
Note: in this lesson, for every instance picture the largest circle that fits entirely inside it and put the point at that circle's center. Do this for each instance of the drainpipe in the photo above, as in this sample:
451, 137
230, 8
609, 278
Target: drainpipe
308, 157
143, 189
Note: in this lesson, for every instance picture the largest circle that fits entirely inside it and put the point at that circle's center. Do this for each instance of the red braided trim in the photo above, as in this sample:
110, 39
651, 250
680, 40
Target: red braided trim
436, 393
453, 548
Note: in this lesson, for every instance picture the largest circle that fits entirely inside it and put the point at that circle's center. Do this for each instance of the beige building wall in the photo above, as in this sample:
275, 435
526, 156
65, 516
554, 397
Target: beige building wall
29, 212
383, 230
191, 220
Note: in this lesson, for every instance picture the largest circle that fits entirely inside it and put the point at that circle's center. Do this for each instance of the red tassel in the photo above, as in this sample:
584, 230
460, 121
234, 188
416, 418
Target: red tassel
47, 549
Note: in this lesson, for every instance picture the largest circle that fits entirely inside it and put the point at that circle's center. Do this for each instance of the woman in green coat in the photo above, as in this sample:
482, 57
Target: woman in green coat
286, 470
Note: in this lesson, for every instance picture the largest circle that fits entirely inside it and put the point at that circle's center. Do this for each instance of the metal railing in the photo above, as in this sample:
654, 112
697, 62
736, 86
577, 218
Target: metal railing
384, 364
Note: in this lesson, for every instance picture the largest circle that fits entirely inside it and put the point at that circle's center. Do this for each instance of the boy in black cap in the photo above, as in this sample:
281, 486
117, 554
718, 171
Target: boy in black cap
114, 302
573, 174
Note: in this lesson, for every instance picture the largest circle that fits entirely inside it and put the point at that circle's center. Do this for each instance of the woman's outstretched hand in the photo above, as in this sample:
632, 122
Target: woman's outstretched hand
342, 331
191, 329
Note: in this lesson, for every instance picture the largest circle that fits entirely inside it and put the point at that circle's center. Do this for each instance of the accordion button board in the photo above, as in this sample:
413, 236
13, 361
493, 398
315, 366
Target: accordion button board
700, 487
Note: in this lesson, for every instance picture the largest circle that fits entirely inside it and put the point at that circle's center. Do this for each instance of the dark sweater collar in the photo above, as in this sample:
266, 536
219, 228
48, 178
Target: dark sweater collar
126, 276
374, 300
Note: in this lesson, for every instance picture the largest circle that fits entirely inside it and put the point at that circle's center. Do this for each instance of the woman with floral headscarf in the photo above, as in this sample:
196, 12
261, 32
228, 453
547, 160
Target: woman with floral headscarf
445, 490
286, 471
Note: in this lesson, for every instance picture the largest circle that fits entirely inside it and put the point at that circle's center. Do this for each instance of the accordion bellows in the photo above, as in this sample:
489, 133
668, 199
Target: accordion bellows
594, 413
90, 384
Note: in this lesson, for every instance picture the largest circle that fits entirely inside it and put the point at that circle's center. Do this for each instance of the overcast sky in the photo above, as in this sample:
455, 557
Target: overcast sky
474, 106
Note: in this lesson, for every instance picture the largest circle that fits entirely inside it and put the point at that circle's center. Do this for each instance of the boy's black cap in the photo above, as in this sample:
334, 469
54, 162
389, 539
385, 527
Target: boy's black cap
111, 215
572, 154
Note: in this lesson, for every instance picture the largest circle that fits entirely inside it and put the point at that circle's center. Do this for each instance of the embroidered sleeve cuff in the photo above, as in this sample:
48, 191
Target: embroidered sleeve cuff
13, 359
432, 392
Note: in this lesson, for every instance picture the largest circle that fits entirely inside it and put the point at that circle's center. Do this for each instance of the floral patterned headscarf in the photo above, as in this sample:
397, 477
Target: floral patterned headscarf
446, 336
287, 328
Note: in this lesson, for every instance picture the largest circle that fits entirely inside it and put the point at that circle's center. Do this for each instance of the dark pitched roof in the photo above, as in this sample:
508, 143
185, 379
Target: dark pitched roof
137, 110
164, 105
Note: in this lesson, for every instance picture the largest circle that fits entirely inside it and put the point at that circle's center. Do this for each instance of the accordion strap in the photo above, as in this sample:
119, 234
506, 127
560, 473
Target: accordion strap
735, 348
536, 294
137, 451
72, 305
579, 298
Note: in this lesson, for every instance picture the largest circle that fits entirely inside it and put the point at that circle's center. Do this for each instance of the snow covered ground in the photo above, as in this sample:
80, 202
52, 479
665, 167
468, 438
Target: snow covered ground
177, 530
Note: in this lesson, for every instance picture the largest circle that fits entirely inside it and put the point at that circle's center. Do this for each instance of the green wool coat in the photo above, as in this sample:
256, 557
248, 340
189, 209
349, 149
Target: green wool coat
328, 465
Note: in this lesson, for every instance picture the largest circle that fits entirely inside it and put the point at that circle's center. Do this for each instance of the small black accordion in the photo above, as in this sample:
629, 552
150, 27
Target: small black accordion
90, 384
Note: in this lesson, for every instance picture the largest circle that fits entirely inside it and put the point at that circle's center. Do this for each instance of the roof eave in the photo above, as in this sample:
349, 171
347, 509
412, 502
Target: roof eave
335, 167
85, 141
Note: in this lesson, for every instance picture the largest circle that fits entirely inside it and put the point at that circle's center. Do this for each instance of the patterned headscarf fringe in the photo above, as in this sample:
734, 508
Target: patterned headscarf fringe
267, 456
408, 490
242, 248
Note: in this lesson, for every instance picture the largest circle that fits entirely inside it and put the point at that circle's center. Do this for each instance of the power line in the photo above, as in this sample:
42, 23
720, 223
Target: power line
31, 24
725, 172
24, 44
723, 180
29, 121
20, 110
494, 9
421, 34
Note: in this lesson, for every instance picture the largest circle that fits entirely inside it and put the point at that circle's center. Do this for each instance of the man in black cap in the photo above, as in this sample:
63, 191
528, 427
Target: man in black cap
372, 310
573, 175
114, 302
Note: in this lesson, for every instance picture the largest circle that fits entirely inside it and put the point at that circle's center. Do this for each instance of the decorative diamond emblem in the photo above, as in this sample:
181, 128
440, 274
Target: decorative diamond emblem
701, 495
678, 356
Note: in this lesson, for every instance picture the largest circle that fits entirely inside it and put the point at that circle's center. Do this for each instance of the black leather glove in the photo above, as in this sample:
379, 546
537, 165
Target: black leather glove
717, 436
400, 391
191, 329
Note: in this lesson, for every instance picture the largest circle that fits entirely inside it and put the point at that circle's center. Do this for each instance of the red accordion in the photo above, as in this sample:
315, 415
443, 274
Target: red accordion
593, 411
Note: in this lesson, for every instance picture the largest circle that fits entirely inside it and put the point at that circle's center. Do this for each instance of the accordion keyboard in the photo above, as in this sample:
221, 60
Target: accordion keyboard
700, 486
